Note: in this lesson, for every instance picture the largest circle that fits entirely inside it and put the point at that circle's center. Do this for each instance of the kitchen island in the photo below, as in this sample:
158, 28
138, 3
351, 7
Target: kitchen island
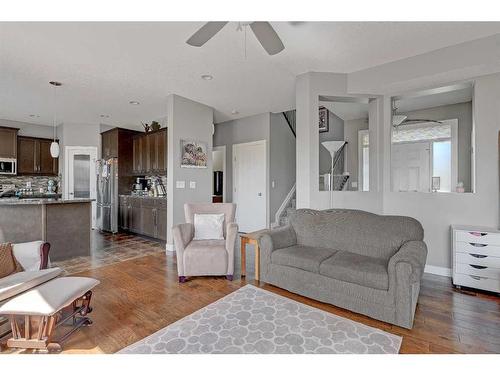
64, 223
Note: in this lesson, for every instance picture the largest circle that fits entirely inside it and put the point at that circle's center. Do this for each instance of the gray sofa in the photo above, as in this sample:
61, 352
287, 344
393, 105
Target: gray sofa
363, 262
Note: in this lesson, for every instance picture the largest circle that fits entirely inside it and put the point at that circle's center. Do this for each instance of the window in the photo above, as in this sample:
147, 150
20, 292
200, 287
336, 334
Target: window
364, 160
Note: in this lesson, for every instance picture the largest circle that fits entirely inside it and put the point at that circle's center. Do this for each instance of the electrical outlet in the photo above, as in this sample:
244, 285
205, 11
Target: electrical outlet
192, 184
354, 184
180, 184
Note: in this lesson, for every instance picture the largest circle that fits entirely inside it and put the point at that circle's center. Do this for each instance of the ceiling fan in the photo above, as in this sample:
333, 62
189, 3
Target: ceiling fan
264, 32
399, 119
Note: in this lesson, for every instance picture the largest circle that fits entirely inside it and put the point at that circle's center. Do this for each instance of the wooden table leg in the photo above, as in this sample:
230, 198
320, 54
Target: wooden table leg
243, 257
257, 260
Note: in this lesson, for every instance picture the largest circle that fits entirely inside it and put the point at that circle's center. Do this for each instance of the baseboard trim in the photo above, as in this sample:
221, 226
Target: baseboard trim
169, 247
435, 270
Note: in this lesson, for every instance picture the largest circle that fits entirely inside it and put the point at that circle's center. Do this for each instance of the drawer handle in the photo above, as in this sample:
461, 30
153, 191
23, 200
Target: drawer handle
477, 277
477, 244
478, 256
478, 267
478, 234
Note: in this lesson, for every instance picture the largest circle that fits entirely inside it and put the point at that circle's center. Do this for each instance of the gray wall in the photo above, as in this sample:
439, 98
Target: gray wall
187, 120
462, 112
335, 133
246, 129
28, 129
351, 129
282, 162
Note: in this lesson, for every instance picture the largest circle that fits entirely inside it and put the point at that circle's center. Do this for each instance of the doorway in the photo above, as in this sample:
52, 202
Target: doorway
219, 174
250, 185
80, 175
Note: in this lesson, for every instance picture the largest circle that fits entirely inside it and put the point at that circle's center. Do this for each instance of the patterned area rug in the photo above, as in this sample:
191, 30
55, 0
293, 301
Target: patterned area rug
253, 320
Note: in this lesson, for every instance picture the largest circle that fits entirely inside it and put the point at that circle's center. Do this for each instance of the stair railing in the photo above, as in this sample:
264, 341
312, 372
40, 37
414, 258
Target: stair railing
291, 120
284, 206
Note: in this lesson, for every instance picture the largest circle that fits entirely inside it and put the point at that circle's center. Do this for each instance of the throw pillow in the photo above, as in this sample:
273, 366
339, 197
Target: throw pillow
208, 226
8, 263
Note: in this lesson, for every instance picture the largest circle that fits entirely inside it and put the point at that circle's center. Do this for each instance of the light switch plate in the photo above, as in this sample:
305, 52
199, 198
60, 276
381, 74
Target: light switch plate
192, 184
180, 184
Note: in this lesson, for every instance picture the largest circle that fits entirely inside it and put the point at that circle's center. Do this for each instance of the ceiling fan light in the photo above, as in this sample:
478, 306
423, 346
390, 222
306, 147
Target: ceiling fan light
54, 149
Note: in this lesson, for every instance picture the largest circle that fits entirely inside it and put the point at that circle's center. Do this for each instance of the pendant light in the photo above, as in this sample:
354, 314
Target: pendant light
54, 146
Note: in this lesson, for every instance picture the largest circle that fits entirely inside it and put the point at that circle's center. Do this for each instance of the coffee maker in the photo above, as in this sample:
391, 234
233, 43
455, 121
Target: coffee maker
140, 185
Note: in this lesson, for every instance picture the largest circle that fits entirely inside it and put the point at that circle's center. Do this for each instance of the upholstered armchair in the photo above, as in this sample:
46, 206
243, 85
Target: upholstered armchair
205, 257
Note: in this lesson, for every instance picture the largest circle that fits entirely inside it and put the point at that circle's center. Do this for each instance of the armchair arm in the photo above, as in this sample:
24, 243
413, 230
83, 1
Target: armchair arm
182, 234
271, 240
231, 234
32, 255
413, 254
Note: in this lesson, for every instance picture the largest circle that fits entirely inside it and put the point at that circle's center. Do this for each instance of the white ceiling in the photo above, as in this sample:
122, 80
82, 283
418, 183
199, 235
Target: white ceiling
347, 111
105, 65
434, 100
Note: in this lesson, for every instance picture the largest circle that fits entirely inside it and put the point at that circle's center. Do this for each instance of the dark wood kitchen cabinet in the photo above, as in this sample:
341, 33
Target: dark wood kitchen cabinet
150, 153
144, 215
8, 142
33, 157
109, 144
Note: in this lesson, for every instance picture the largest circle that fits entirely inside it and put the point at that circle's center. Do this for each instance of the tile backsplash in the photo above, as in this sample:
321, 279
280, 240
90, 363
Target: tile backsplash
37, 182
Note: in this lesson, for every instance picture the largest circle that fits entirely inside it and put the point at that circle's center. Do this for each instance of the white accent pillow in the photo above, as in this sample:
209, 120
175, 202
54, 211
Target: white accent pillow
208, 226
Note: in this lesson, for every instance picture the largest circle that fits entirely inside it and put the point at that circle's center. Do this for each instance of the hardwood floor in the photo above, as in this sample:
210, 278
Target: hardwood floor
139, 296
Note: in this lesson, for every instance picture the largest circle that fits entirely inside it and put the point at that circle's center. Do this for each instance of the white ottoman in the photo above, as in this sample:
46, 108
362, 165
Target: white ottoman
40, 311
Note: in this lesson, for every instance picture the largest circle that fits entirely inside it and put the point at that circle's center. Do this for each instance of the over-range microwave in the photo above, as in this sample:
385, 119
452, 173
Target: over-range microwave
8, 166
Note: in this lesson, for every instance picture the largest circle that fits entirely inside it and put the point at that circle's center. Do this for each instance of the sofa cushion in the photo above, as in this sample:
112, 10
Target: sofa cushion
357, 269
8, 263
205, 257
304, 257
355, 231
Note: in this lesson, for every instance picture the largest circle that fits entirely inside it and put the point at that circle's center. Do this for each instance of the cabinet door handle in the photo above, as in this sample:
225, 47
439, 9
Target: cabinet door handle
477, 277
478, 234
478, 256
478, 267
477, 244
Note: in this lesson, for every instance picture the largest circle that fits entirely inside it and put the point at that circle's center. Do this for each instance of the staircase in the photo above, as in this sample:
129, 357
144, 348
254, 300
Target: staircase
291, 119
288, 206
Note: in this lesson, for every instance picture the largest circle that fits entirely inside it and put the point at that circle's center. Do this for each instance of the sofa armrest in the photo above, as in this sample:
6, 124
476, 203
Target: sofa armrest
182, 235
278, 238
412, 253
32, 255
272, 240
231, 234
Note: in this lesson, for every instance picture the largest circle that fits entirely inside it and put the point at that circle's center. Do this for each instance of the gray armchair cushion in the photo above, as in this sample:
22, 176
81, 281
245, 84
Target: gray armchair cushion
357, 269
303, 257
355, 231
205, 257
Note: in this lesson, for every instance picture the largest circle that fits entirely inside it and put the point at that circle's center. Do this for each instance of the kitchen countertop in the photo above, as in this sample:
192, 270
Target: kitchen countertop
34, 201
141, 196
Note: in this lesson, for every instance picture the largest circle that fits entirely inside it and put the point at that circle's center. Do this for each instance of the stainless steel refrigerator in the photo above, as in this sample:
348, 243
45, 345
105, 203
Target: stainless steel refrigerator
107, 195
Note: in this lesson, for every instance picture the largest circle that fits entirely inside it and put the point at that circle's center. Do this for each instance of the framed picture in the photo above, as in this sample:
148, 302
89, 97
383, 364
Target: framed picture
193, 154
323, 120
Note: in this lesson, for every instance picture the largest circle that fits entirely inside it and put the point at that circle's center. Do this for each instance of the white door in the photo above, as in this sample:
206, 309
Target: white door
80, 175
411, 167
250, 185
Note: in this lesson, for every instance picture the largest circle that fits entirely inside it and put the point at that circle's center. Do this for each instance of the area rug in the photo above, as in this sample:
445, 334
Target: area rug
252, 320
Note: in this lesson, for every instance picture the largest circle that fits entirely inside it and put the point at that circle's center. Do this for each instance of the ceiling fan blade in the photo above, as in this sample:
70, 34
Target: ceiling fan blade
267, 37
205, 33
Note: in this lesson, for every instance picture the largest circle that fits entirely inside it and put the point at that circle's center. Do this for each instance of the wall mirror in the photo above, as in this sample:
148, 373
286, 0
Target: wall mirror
344, 143
432, 140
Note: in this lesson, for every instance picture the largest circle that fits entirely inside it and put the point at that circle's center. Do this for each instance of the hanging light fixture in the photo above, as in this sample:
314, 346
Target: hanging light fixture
54, 146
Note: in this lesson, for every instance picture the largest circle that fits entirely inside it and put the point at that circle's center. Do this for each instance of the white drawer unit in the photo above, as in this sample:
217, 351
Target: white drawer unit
476, 257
